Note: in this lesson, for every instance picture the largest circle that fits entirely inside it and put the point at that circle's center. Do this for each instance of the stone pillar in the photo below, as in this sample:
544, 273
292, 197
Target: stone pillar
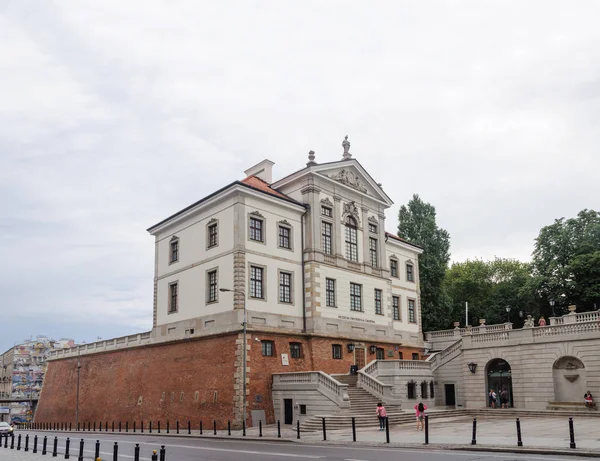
239, 252
571, 317
310, 196
338, 229
383, 261
364, 225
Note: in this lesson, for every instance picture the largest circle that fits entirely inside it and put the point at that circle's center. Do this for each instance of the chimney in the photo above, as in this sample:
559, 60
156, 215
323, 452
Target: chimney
262, 170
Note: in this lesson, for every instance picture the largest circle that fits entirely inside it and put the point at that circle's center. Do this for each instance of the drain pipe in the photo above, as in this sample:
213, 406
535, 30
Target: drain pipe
302, 221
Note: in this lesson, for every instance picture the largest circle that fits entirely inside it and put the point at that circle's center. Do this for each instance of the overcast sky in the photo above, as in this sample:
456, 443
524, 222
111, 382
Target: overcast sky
115, 114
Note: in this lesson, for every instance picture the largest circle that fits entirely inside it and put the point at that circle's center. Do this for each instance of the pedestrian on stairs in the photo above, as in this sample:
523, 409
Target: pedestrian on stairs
381, 414
420, 412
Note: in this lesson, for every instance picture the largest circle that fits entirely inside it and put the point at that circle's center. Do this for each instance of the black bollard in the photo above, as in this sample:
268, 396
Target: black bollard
80, 457
519, 441
324, 430
44, 445
298, 429
6, 441
116, 452
572, 432
244, 428
474, 439
136, 452
67, 446
215, 426
27, 442
177, 430
163, 453
353, 429
127, 426
387, 430
167, 426
228, 427
97, 449
35, 441
426, 430
19, 442
200, 427
278, 429
154, 456
260, 427
55, 448
12, 442
189, 427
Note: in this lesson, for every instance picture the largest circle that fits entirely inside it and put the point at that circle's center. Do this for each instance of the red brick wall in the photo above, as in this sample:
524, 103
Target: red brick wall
111, 383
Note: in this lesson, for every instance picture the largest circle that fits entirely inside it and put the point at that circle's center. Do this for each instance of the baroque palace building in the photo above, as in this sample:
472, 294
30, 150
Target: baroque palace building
306, 257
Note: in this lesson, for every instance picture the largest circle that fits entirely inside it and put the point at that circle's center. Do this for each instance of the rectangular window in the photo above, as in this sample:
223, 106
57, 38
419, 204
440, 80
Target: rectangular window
174, 250
431, 390
212, 286
373, 228
256, 282
411, 311
267, 348
401, 355
410, 277
256, 230
396, 307
355, 297
326, 211
213, 238
326, 237
285, 287
336, 351
415, 356
295, 350
351, 239
394, 268
380, 354
284, 238
173, 293
373, 251
424, 386
330, 292
412, 390
378, 309
302, 409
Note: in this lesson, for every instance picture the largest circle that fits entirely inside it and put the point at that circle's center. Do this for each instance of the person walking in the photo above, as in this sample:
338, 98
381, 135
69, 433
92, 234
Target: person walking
382, 415
504, 398
420, 413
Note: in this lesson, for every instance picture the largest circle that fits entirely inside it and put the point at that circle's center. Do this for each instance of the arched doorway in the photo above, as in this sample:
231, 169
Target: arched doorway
499, 378
569, 379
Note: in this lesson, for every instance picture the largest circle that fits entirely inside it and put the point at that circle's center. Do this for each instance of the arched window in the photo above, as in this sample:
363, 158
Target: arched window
432, 389
424, 389
351, 239
411, 388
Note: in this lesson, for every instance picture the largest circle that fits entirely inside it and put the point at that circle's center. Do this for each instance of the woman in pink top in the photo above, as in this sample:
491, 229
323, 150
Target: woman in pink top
420, 411
381, 414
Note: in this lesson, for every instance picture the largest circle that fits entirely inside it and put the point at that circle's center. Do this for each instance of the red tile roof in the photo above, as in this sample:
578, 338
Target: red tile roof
257, 183
400, 239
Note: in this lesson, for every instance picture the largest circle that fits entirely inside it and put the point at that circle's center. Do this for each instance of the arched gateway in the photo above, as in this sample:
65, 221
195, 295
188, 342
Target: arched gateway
499, 378
569, 379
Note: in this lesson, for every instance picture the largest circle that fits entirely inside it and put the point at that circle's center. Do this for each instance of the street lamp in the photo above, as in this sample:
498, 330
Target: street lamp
551, 301
508, 314
77, 401
244, 328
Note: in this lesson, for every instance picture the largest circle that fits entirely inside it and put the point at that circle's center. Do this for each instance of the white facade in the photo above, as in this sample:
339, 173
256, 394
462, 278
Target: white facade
309, 254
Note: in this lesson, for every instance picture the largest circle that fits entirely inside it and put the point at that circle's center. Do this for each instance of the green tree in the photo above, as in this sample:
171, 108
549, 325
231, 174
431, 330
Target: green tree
565, 261
417, 224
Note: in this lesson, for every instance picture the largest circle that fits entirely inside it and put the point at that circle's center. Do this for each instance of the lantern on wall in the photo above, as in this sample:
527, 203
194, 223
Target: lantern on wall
350, 347
472, 366
373, 349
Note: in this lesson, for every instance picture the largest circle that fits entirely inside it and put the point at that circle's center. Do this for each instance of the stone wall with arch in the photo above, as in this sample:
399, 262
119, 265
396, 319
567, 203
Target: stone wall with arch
570, 380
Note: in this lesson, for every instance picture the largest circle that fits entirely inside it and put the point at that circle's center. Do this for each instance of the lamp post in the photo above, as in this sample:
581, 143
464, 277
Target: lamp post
244, 328
77, 397
508, 314
551, 301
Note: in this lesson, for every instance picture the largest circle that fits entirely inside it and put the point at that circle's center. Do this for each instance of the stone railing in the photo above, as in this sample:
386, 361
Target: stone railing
412, 365
313, 380
371, 369
567, 329
445, 335
122, 342
491, 337
383, 392
588, 316
443, 357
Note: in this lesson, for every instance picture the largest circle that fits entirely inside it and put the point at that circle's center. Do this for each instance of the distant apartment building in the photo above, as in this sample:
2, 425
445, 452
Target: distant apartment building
21, 376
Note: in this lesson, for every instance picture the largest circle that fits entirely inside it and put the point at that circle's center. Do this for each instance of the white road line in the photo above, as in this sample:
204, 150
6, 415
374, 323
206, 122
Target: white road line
248, 452
350, 459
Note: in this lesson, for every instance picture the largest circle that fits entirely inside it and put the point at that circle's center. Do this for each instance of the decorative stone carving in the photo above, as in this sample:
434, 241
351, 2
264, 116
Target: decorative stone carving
256, 213
311, 158
572, 308
481, 321
174, 238
285, 222
327, 202
571, 378
346, 145
213, 220
351, 209
349, 178
456, 324
373, 220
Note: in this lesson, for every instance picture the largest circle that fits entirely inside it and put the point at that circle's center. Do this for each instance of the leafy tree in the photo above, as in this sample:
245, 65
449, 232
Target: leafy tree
417, 224
565, 261
490, 287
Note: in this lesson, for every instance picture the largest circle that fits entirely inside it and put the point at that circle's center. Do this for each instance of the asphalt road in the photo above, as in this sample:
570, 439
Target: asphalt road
205, 449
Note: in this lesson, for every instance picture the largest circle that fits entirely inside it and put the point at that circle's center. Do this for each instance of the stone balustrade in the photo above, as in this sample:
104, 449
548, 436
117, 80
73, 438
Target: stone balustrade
122, 342
382, 391
316, 381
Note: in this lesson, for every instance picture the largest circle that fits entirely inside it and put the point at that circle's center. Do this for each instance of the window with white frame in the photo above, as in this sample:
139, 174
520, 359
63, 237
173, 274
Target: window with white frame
212, 286
396, 307
351, 239
285, 237
326, 230
355, 297
267, 348
330, 292
336, 351
394, 268
285, 287
410, 276
373, 251
213, 235
256, 282
378, 308
174, 247
173, 297
326, 211
373, 228
411, 311
257, 229
295, 350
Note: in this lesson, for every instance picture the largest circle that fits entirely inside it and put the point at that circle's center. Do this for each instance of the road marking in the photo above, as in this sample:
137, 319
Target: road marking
350, 459
248, 452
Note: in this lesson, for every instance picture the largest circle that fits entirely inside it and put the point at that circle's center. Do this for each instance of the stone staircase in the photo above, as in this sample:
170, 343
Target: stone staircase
570, 406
